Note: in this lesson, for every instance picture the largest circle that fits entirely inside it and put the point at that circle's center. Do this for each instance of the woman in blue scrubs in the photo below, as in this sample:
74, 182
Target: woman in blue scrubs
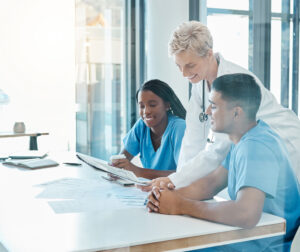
157, 135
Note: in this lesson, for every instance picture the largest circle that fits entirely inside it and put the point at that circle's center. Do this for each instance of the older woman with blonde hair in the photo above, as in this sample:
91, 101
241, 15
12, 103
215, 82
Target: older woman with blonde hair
202, 151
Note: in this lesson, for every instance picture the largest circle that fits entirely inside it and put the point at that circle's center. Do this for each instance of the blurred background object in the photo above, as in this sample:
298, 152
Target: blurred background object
4, 99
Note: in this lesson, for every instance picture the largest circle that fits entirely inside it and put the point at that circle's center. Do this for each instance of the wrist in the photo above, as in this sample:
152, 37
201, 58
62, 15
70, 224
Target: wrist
186, 206
181, 205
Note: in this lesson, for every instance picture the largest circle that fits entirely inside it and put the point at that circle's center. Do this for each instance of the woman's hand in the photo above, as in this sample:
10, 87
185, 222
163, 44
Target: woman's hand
124, 163
159, 183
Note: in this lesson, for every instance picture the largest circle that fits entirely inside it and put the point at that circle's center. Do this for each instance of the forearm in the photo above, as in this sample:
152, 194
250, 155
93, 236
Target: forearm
206, 187
203, 163
228, 212
199, 190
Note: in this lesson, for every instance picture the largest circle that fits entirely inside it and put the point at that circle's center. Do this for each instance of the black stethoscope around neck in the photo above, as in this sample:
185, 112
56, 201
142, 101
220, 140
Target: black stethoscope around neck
203, 117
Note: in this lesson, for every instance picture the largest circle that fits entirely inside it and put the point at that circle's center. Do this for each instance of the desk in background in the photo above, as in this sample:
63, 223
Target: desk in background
29, 224
32, 141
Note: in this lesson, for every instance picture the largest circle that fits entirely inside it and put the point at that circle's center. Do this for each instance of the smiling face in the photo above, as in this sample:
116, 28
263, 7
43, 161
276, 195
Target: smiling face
153, 110
222, 113
192, 66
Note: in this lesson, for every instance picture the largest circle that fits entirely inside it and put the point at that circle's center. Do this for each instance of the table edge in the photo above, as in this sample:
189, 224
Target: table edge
210, 240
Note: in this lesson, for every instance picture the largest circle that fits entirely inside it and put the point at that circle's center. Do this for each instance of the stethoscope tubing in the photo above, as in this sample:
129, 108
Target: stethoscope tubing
203, 116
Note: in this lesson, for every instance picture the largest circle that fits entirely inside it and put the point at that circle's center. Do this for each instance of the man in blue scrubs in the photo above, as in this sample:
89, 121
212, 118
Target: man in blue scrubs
257, 171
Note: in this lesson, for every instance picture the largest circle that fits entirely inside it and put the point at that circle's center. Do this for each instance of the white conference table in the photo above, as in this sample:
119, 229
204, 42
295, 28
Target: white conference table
29, 224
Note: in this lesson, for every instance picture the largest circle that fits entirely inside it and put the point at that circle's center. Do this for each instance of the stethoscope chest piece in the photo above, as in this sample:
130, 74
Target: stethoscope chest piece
203, 117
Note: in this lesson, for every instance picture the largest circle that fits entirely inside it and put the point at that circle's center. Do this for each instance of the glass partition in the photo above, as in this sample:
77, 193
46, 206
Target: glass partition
262, 37
100, 90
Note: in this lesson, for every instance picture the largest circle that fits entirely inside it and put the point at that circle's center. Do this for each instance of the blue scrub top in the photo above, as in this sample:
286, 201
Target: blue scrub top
260, 160
138, 140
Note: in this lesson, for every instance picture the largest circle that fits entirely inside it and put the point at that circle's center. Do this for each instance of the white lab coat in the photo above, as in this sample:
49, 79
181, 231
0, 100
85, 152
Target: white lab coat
198, 157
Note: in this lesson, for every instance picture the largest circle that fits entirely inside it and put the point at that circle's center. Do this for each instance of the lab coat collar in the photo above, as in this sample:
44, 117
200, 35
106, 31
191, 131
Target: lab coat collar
222, 64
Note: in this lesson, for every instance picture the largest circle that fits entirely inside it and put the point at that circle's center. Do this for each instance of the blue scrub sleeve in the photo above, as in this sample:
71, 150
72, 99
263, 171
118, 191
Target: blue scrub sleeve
256, 166
132, 139
226, 161
177, 136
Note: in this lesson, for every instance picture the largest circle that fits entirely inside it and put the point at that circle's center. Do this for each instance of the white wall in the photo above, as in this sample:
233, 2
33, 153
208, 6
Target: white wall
161, 20
37, 68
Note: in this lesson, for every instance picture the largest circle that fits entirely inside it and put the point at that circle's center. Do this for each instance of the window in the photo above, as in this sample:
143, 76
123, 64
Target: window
235, 49
262, 36
37, 72
100, 88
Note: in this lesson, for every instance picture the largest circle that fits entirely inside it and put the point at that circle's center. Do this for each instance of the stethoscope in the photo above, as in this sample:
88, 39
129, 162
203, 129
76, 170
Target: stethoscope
203, 116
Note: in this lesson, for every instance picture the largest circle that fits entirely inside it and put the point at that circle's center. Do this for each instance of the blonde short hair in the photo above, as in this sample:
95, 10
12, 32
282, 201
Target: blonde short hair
193, 36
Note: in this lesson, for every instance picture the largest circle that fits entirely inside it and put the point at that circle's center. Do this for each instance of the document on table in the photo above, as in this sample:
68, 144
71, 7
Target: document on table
72, 195
73, 188
103, 166
32, 163
78, 206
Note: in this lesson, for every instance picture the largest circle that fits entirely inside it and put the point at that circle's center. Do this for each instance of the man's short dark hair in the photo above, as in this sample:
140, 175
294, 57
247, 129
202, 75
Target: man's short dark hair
240, 89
